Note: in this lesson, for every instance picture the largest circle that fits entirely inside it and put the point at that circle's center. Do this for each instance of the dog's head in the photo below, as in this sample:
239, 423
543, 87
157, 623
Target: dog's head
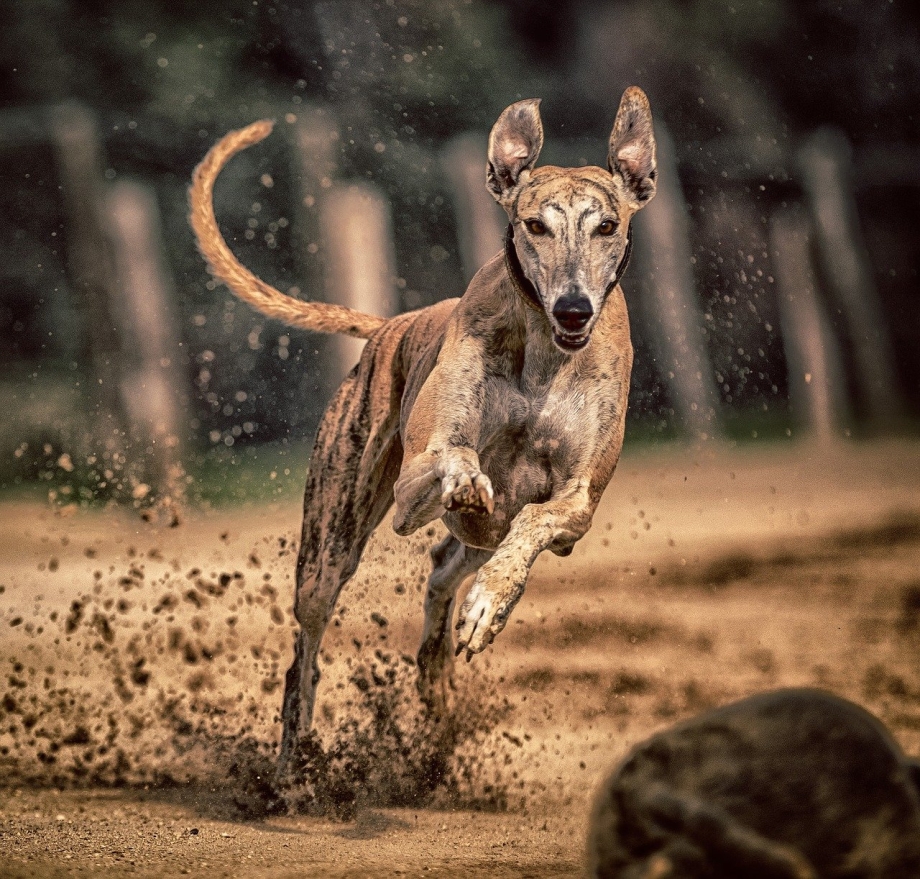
570, 224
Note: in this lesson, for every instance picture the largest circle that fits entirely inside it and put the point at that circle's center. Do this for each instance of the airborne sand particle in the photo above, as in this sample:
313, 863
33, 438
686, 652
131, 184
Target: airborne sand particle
161, 698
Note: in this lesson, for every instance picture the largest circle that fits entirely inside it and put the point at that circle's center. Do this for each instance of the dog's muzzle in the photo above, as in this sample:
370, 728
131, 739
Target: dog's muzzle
572, 313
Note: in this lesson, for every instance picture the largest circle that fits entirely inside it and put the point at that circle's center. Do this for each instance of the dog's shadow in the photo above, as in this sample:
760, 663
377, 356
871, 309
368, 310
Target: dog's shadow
369, 824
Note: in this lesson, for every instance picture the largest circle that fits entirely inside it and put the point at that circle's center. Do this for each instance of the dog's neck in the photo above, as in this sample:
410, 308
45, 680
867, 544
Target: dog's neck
523, 285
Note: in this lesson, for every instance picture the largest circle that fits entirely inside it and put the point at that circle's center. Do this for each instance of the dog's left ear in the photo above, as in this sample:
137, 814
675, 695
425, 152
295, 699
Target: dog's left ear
514, 145
632, 145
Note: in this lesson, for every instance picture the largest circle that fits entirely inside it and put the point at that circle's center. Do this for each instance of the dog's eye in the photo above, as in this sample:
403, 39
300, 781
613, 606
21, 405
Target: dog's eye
608, 227
535, 227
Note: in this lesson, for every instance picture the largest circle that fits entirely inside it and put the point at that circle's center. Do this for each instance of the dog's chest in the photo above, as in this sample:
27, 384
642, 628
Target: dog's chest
533, 439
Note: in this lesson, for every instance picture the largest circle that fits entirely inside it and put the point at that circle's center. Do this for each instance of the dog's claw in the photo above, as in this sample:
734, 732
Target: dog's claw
480, 620
486, 493
470, 492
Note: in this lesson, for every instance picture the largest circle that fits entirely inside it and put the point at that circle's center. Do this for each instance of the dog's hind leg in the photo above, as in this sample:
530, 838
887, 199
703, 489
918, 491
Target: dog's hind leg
452, 564
355, 462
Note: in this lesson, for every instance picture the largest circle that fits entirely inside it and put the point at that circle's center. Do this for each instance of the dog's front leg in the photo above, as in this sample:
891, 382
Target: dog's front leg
559, 522
439, 480
440, 468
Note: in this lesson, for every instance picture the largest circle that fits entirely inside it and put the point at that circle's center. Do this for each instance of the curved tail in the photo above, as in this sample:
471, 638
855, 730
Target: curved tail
318, 316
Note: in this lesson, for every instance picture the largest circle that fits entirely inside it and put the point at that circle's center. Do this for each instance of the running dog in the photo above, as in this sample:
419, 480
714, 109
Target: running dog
501, 413
789, 784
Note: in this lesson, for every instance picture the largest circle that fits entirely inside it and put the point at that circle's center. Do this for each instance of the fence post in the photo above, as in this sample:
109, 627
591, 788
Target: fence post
825, 163
152, 382
480, 221
817, 390
78, 151
357, 239
316, 141
316, 137
662, 240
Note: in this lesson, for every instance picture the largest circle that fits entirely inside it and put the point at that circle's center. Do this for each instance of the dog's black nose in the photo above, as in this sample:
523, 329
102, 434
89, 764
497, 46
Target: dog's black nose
573, 311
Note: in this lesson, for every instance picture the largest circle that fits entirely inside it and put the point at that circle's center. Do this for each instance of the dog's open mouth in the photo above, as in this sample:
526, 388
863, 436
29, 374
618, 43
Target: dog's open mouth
571, 341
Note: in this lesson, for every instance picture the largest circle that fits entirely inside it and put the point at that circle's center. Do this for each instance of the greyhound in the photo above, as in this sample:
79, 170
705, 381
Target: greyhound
500, 413
790, 784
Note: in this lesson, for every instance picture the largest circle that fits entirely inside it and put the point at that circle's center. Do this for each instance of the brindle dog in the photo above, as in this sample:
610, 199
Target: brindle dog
500, 413
790, 784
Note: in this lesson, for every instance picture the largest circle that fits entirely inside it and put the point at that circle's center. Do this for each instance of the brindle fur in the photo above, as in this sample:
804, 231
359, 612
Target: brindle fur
790, 784
489, 412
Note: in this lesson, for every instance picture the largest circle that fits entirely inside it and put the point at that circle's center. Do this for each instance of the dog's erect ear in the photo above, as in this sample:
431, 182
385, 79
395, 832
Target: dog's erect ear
632, 145
514, 145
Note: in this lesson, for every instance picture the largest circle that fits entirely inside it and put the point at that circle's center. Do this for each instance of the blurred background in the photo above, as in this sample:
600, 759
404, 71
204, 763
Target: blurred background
773, 293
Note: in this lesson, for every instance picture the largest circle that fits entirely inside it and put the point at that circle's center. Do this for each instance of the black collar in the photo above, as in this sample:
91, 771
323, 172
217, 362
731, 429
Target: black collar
522, 283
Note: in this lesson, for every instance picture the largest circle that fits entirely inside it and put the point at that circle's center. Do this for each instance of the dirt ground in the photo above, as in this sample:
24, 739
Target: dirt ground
142, 669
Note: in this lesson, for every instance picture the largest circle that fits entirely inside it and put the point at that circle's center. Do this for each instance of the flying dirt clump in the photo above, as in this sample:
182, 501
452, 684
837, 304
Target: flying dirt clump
152, 676
390, 751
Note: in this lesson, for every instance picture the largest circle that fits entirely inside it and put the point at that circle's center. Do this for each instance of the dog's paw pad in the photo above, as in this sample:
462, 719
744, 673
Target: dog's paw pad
468, 491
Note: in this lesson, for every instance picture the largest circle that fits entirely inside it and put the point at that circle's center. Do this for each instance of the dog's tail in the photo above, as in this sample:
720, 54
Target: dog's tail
318, 316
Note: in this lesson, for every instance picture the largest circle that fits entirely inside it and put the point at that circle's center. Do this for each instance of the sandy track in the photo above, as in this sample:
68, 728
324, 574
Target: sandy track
708, 574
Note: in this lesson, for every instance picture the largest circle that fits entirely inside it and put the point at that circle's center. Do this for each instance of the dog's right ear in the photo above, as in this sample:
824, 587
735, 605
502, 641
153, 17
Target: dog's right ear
514, 146
632, 146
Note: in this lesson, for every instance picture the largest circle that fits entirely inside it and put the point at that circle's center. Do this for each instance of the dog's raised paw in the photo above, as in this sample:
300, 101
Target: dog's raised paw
482, 616
468, 491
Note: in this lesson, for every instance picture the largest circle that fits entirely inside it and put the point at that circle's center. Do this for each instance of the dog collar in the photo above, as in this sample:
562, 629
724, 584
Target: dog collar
522, 283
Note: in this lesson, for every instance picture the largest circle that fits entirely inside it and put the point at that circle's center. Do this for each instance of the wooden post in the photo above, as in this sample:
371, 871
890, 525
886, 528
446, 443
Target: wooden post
481, 222
317, 138
360, 262
825, 163
114, 240
817, 388
78, 152
316, 144
662, 241
152, 383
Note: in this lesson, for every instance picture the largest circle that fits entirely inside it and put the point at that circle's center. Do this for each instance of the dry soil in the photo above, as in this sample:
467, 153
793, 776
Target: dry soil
142, 669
